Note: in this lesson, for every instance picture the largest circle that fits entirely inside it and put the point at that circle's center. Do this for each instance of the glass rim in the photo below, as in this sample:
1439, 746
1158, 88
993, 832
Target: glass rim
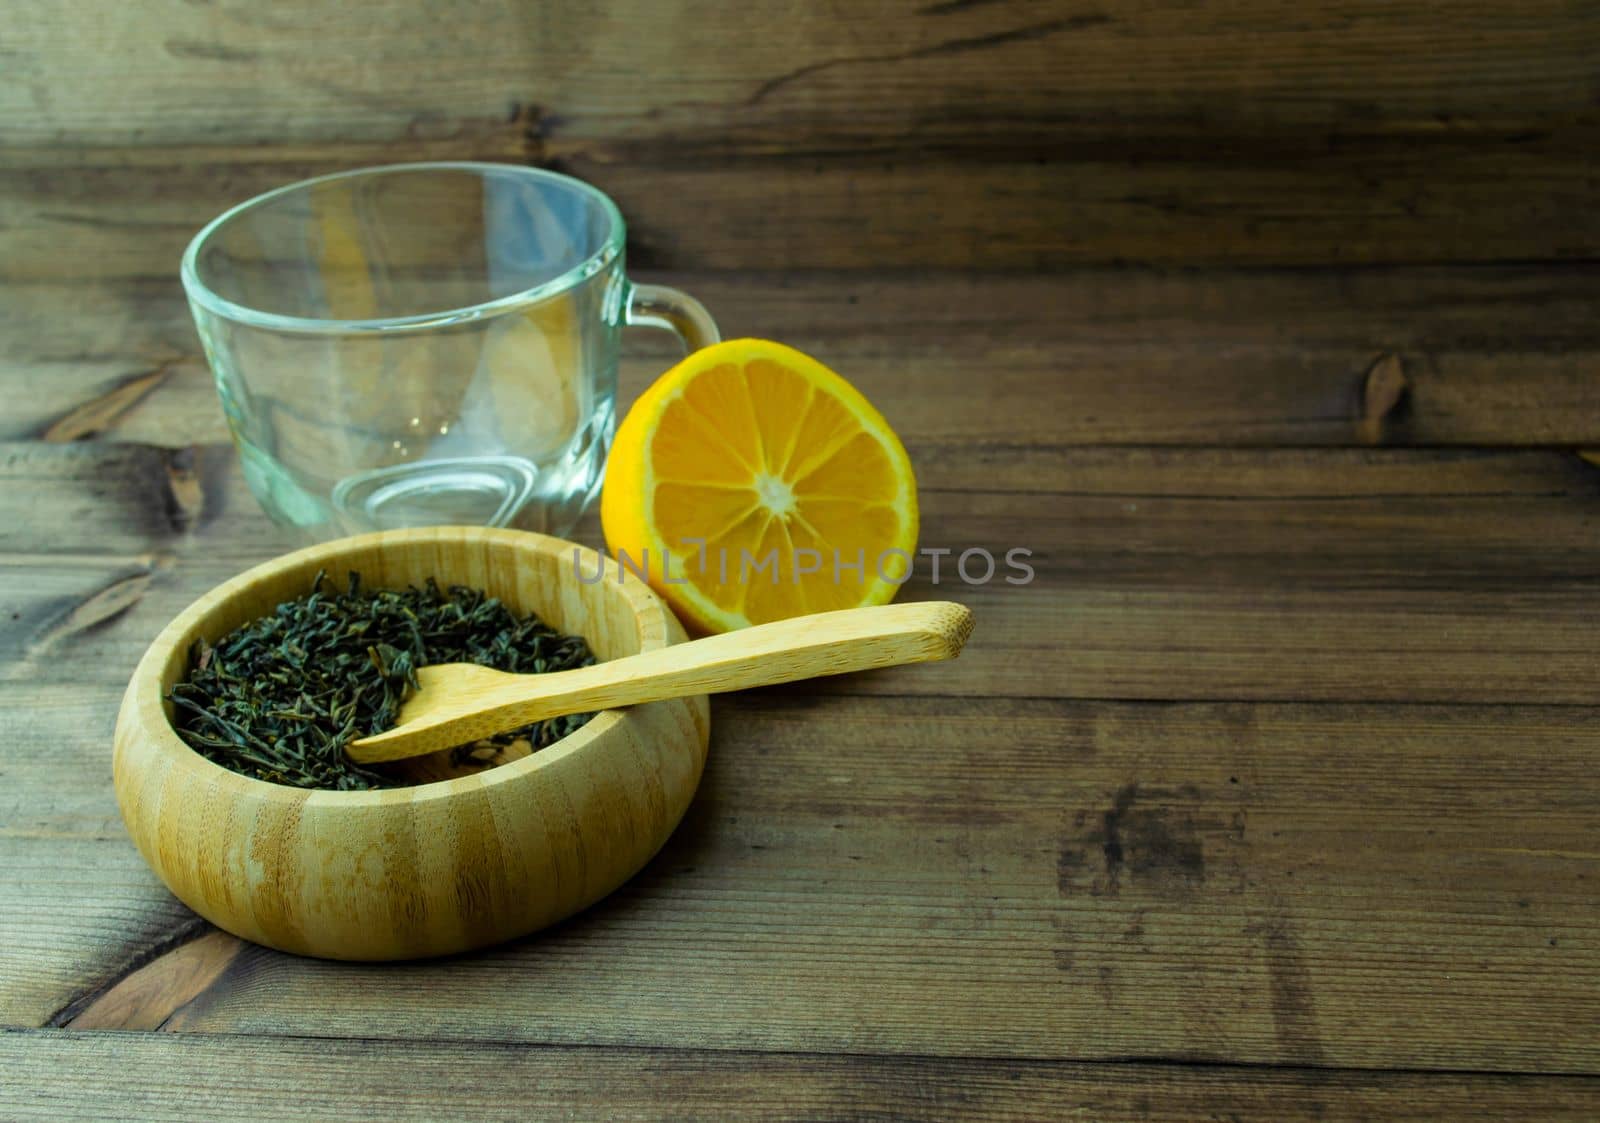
202, 295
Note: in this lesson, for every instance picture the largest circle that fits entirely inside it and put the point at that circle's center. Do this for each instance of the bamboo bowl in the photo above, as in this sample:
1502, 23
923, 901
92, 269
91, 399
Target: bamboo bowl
441, 867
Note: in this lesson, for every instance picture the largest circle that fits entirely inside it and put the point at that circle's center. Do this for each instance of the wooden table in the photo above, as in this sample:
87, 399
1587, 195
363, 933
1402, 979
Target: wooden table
1274, 794
1270, 329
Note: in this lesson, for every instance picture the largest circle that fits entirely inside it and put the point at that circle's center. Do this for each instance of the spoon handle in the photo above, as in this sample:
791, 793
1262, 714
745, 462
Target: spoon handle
469, 703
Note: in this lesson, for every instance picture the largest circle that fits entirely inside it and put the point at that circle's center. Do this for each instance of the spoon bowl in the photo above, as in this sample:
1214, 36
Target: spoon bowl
439, 867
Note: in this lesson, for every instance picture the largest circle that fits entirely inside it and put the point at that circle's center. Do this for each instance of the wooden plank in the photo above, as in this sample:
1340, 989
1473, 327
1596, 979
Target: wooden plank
1269, 575
1293, 643
1346, 885
1132, 69
81, 214
966, 135
1149, 203
942, 74
107, 497
1067, 636
1231, 357
78, 906
151, 1076
1135, 516
1460, 197
1402, 520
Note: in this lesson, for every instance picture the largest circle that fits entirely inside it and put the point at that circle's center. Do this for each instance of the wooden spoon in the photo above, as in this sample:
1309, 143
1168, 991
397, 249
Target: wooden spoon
462, 702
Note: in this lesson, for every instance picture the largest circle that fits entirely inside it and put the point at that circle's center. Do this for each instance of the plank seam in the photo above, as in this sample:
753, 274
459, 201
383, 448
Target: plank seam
1117, 1060
189, 930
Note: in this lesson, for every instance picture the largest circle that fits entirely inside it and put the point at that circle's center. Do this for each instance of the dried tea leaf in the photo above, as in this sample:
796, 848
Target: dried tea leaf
280, 698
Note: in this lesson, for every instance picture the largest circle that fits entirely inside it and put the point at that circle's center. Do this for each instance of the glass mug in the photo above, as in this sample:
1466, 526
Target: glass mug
423, 344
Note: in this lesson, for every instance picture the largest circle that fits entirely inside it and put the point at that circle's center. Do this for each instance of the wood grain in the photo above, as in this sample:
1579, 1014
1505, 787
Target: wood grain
82, 908
1448, 576
1324, 512
96, 416
1020, 135
1500, 356
148, 997
956, 856
1152, 202
1282, 765
1465, 197
161, 1077
1297, 640
872, 71
1266, 883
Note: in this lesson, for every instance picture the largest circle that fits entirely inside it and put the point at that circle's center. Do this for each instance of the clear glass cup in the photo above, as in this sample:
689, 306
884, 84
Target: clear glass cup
423, 344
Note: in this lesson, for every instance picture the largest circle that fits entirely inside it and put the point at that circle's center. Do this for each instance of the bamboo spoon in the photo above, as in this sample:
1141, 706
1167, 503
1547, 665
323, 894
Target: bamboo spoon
463, 702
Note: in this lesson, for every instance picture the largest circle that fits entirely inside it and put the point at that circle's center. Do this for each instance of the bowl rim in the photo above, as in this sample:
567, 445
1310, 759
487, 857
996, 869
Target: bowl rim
144, 689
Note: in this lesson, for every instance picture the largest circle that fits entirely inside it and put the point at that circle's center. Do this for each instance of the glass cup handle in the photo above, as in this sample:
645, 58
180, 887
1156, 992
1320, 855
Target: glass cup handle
657, 306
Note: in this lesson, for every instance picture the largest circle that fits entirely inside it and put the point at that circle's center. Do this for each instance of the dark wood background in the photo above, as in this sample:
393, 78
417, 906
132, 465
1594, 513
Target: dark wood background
964, 134
1270, 327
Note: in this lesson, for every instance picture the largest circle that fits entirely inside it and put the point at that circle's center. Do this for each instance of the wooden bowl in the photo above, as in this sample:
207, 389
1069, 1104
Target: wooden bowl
440, 867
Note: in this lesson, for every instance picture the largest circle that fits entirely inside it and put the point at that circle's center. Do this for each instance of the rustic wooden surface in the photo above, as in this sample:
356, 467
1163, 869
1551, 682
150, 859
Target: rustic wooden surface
1274, 794
1269, 328
1487, 356
953, 133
